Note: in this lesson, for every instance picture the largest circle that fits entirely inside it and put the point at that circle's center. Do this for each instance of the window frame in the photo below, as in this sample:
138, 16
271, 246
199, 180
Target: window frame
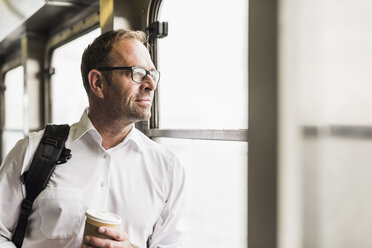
11, 62
262, 120
60, 36
152, 130
83, 23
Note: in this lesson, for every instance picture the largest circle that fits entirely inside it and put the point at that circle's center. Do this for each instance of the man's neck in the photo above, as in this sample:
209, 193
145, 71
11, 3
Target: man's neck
112, 132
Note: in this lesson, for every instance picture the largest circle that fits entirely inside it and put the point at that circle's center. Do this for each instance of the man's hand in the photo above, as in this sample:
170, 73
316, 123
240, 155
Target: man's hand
119, 236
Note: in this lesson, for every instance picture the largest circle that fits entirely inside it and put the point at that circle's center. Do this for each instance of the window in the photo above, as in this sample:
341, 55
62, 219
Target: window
204, 65
216, 209
203, 95
68, 96
14, 109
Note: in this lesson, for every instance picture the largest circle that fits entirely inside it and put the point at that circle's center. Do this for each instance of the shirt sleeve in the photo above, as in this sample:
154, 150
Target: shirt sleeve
11, 192
169, 228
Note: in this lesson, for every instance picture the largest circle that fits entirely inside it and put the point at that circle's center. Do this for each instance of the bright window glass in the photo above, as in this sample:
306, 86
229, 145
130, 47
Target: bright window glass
204, 64
14, 99
68, 96
216, 209
10, 138
14, 114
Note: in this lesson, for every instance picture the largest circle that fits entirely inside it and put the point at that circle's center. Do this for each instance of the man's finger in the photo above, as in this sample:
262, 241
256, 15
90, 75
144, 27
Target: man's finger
97, 242
91, 241
114, 233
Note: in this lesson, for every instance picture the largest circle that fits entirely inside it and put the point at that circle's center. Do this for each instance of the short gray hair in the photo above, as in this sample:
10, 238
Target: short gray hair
97, 54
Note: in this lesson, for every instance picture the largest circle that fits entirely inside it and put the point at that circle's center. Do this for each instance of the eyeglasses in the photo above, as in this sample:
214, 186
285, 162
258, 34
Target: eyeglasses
138, 74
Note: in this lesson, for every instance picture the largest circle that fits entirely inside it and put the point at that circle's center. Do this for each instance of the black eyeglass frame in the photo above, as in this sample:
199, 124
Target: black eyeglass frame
131, 68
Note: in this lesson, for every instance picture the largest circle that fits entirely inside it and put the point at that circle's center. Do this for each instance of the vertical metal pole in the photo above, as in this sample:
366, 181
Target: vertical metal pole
2, 112
46, 104
33, 49
262, 157
115, 14
106, 15
153, 17
24, 57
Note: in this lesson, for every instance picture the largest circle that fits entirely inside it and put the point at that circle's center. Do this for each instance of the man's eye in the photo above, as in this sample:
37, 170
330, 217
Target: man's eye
138, 75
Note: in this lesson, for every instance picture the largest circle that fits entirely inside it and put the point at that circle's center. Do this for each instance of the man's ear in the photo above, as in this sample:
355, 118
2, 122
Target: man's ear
96, 79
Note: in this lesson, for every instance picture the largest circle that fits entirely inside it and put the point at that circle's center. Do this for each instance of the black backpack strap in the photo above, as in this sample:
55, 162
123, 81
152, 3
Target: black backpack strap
51, 151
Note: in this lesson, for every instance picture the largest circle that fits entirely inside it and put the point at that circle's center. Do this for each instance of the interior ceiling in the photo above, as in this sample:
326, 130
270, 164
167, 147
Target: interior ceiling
36, 16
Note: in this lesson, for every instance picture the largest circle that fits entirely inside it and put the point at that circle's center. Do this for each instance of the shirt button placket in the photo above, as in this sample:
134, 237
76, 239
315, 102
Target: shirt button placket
103, 183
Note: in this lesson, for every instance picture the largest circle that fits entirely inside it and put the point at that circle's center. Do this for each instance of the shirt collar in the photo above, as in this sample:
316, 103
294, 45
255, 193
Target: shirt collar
85, 125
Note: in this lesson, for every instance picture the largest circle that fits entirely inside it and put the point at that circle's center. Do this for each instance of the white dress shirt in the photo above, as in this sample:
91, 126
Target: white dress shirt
137, 179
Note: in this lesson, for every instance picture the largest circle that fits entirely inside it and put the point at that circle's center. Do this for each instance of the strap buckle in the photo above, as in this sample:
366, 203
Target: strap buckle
53, 141
26, 207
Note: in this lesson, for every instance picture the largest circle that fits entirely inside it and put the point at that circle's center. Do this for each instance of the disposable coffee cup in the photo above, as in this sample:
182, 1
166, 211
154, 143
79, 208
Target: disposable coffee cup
97, 218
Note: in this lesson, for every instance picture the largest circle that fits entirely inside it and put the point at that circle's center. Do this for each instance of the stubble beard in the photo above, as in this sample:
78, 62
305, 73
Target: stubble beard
135, 113
128, 112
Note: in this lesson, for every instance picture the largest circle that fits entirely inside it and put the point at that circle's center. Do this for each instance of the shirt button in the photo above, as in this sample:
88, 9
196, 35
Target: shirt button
102, 184
105, 156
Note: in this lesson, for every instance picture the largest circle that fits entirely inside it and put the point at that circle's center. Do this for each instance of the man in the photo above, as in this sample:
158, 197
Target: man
113, 167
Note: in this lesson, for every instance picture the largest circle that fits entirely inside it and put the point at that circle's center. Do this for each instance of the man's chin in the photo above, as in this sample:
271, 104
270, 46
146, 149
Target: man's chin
142, 116
147, 117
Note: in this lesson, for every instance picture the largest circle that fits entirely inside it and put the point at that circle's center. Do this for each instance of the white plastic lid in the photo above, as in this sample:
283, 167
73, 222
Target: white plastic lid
103, 216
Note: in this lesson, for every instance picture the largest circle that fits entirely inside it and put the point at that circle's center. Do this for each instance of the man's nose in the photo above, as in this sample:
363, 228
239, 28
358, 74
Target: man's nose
148, 84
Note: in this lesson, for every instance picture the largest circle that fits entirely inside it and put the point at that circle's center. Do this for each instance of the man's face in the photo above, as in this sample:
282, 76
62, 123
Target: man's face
125, 99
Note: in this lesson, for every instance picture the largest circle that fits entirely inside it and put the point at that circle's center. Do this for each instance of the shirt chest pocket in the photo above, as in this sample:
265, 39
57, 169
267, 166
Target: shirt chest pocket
61, 211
